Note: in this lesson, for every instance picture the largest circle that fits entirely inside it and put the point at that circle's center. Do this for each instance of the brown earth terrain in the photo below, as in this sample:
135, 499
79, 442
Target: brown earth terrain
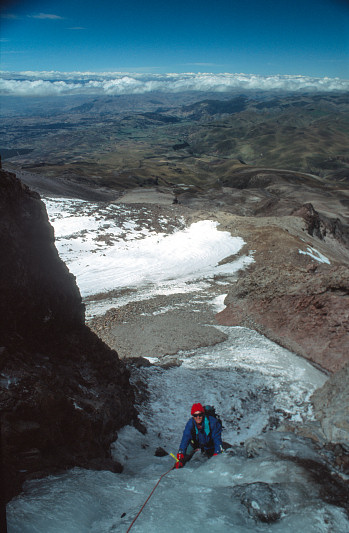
289, 293
183, 140
292, 298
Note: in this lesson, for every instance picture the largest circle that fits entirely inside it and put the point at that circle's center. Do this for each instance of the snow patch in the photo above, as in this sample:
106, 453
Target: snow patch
218, 303
315, 254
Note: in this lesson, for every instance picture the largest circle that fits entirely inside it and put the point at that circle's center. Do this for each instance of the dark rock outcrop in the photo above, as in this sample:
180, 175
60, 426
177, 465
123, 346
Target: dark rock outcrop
320, 226
318, 476
63, 392
39, 296
329, 430
331, 407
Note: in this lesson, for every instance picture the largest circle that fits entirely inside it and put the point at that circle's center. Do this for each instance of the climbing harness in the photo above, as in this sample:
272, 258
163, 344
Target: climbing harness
146, 501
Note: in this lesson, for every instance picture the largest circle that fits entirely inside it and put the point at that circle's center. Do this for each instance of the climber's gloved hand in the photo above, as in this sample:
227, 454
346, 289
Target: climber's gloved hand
180, 462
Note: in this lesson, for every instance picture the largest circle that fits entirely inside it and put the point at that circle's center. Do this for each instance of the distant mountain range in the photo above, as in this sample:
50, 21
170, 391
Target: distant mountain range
171, 139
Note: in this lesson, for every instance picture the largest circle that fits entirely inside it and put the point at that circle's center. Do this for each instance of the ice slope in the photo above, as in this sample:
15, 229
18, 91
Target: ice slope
252, 382
249, 379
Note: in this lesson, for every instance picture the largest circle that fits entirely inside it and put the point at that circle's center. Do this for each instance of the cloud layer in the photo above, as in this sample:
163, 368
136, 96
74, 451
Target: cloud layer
113, 83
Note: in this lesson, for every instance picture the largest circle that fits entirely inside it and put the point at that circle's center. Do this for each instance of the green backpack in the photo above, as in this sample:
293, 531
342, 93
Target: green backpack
211, 411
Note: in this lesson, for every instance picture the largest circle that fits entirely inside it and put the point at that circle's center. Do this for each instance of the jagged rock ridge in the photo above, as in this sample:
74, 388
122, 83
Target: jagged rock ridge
63, 392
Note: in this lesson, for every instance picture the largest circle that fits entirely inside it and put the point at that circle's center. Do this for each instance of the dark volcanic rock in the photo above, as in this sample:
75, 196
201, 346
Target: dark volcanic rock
63, 392
311, 218
264, 502
320, 226
331, 408
319, 475
29, 262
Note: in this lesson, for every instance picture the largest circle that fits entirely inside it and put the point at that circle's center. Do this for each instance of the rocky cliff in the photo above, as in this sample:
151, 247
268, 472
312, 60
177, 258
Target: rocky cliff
297, 290
63, 392
331, 407
304, 310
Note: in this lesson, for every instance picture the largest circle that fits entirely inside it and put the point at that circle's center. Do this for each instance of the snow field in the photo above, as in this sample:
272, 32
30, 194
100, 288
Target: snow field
107, 249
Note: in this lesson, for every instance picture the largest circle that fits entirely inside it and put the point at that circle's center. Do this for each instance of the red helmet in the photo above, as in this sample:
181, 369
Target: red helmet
197, 407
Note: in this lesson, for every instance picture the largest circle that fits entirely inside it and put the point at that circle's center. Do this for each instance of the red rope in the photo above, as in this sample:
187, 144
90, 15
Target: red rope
146, 501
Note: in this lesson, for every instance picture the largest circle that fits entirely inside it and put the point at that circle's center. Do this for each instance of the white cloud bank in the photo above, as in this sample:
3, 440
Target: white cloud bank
113, 83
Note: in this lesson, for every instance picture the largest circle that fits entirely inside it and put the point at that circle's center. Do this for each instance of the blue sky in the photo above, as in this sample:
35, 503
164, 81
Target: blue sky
261, 37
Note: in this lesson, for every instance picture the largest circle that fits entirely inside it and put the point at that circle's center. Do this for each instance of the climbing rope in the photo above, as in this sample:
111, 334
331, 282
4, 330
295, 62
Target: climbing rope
146, 501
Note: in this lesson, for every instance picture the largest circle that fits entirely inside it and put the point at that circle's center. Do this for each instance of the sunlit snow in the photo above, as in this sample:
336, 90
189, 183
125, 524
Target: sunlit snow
107, 249
315, 254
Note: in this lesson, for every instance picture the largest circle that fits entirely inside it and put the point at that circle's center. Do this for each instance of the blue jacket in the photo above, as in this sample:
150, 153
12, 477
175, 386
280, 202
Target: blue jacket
208, 438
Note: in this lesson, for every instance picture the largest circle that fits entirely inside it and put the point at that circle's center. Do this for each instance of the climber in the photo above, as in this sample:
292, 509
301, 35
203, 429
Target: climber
202, 431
